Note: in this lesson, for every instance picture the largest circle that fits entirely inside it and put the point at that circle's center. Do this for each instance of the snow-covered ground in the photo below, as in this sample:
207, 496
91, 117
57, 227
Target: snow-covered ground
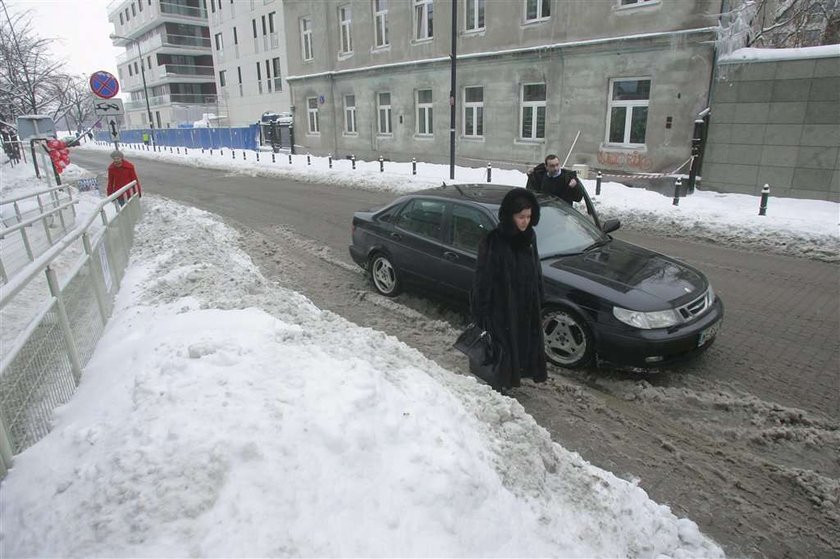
797, 227
222, 415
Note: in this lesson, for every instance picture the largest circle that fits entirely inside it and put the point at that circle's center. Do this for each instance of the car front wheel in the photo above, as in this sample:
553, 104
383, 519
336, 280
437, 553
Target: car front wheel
568, 341
384, 275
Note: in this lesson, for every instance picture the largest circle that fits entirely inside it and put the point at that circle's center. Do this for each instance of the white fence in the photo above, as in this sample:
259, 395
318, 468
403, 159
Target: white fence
42, 365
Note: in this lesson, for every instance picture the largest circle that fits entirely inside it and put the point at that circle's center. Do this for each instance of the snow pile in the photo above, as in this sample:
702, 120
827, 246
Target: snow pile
222, 415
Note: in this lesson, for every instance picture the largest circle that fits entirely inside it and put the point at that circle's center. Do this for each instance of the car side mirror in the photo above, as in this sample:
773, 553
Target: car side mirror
611, 225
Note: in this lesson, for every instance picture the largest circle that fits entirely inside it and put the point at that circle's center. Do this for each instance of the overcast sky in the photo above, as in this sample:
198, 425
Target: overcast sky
80, 29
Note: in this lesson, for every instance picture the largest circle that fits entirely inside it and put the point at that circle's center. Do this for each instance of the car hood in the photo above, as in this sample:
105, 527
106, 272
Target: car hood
629, 275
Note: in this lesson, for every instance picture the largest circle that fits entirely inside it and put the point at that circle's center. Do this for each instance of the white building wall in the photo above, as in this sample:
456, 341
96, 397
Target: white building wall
243, 103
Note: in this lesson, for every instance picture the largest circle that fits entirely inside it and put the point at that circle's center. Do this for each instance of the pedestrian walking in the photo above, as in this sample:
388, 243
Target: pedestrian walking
508, 292
120, 173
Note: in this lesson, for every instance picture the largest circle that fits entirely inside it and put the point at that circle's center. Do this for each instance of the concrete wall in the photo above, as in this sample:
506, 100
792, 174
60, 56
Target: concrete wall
665, 42
776, 122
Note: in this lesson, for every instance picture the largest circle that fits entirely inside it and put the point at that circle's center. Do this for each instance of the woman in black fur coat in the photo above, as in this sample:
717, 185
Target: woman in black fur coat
508, 292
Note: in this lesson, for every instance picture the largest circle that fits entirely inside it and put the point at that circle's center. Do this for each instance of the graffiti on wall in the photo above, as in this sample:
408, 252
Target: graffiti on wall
623, 160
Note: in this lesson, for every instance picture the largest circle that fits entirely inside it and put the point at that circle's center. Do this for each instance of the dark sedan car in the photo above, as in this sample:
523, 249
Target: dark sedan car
604, 297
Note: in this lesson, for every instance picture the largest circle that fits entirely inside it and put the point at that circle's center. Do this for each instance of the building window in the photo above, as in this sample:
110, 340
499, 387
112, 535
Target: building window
424, 113
149, 62
306, 38
254, 27
475, 15
278, 78
533, 111
312, 115
220, 44
474, 111
239, 77
383, 106
268, 75
140, 5
121, 19
271, 22
637, 2
130, 73
424, 11
235, 37
133, 11
344, 19
380, 21
628, 110
222, 78
259, 79
350, 114
536, 10
264, 28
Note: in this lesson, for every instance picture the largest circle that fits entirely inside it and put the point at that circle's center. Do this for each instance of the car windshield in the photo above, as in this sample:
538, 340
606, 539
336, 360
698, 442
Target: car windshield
563, 230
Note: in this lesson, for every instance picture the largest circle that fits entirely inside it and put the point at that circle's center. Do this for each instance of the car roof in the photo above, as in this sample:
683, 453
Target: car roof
485, 194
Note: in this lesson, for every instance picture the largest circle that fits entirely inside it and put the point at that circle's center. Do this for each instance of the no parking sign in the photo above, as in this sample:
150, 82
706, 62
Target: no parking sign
104, 85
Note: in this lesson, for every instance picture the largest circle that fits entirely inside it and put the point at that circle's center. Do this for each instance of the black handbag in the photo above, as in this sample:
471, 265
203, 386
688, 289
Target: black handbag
477, 344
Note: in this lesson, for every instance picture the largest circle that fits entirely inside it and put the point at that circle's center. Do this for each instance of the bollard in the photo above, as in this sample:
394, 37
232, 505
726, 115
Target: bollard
258, 156
244, 156
381, 164
185, 151
765, 194
272, 158
221, 152
489, 172
308, 159
677, 187
202, 151
233, 154
353, 161
290, 159
170, 149
598, 184
178, 151
211, 151
329, 160
413, 166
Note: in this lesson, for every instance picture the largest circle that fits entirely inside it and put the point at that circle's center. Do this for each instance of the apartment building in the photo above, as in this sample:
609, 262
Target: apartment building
167, 45
249, 54
372, 77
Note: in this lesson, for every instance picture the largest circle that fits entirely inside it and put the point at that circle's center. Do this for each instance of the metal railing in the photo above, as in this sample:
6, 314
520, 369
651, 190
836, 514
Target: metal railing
41, 367
52, 208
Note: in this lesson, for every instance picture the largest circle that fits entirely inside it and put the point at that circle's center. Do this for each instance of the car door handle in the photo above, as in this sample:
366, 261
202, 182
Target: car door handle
449, 255
396, 236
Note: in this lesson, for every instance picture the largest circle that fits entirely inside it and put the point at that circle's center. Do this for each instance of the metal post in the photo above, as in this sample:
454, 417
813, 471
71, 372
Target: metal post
100, 297
258, 156
381, 164
308, 159
178, 151
489, 172
598, 184
290, 159
329, 160
696, 141
765, 194
244, 155
64, 322
452, 88
677, 187
413, 166
233, 154
6, 448
272, 158
170, 149
353, 161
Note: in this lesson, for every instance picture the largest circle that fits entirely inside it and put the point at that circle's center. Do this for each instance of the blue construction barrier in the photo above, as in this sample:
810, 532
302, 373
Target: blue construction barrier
207, 138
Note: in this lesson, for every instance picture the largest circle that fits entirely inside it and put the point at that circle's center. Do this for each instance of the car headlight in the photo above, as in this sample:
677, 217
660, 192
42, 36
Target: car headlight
647, 320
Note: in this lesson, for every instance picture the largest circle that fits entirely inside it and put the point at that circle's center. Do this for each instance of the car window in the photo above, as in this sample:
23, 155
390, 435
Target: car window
423, 217
469, 225
563, 230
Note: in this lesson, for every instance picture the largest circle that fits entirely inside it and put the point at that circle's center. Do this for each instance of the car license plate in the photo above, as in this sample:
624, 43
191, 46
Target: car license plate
709, 333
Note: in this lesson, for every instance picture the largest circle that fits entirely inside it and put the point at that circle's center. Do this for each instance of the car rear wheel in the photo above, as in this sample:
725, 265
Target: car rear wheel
568, 340
384, 275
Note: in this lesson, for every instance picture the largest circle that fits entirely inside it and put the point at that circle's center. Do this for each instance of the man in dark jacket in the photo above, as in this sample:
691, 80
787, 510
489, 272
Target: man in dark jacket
549, 178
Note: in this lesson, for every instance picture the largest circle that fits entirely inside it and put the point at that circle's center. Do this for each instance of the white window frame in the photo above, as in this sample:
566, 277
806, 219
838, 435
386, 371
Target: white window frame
312, 121
384, 114
631, 105
380, 23
350, 116
278, 79
423, 17
534, 108
540, 4
345, 19
306, 51
477, 6
473, 106
624, 4
425, 114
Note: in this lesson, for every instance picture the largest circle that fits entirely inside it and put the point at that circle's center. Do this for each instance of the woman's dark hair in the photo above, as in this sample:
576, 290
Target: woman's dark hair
520, 203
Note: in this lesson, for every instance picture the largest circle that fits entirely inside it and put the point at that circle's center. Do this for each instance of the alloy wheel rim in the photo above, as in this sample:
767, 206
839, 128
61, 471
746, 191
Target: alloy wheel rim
565, 340
383, 275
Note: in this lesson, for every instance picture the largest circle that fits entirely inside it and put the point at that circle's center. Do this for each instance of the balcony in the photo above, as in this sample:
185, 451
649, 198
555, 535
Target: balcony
173, 99
167, 8
184, 70
182, 42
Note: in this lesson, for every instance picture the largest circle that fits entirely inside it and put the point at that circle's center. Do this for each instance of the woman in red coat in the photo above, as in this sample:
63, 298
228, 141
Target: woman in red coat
120, 173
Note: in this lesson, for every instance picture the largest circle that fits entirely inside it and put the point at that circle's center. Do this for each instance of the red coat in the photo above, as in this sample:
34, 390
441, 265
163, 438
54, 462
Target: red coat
120, 176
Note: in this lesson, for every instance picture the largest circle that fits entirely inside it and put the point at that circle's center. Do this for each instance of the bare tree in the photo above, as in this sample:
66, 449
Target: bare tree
30, 78
786, 23
74, 103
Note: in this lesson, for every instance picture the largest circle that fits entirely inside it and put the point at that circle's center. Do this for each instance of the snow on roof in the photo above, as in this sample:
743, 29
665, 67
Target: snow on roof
767, 55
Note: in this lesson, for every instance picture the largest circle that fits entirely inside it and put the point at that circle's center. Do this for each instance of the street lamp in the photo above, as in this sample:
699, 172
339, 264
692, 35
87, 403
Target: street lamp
143, 76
